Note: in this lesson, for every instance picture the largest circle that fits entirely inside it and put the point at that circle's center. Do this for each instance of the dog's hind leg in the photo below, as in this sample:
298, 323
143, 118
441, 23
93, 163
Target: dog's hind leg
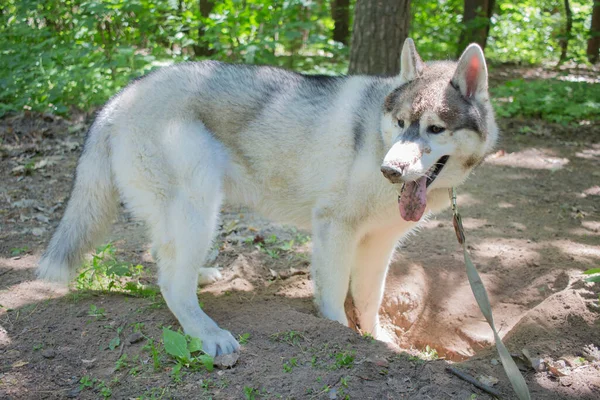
367, 280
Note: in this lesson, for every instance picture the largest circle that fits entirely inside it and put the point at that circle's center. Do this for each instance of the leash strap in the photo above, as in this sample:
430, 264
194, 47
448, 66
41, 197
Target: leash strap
512, 371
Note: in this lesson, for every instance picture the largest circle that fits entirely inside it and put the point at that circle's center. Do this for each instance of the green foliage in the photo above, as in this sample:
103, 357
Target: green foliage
57, 55
436, 27
17, 251
105, 273
552, 100
294, 33
99, 385
182, 348
116, 341
62, 55
529, 31
96, 312
595, 272
344, 359
243, 338
288, 366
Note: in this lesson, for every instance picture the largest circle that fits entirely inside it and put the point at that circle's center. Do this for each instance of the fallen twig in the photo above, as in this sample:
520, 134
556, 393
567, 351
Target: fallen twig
464, 376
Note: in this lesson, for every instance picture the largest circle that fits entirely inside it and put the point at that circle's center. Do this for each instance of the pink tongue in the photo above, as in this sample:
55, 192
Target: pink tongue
413, 201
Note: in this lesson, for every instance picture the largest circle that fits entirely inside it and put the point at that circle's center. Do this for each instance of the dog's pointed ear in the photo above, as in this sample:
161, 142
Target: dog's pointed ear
411, 65
471, 76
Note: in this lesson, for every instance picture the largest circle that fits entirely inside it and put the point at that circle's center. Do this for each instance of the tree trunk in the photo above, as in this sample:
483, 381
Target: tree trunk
476, 23
564, 42
380, 28
201, 49
593, 44
340, 12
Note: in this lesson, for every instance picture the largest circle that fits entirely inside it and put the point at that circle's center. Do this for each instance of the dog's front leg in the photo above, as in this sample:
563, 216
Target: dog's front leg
333, 253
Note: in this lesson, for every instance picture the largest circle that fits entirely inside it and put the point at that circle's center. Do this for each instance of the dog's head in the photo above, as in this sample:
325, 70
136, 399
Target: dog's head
438, 124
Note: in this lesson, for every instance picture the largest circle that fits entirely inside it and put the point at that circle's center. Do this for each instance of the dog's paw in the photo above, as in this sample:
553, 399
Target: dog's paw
206, 276
219, 342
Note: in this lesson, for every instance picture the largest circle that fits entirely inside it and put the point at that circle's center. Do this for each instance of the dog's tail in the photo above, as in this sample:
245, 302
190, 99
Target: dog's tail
89, 212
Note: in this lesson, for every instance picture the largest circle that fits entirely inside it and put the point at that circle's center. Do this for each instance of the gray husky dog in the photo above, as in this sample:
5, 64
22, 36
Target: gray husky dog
323, 153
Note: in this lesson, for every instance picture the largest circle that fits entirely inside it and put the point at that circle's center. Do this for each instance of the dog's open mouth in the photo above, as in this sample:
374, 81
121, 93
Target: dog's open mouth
413, 199
435, 170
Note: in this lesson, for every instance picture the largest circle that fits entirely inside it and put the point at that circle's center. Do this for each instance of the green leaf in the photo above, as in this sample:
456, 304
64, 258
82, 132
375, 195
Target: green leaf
593, 279
118, 269
207, 361
592, 271
114, 343
175, 344
194, 345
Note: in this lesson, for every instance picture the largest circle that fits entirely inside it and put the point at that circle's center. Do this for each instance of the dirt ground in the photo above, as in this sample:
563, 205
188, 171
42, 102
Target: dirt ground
532, 219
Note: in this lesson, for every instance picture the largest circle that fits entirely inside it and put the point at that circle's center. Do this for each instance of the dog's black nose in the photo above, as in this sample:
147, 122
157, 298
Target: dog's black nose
393, 174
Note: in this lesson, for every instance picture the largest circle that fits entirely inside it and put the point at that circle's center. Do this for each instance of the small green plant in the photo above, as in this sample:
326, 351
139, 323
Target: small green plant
250, 393
429, 353
274, 247
116, 341
105, 273
595, 272
38, 346
344, 359
17, 251
122, 363
368, 337
182, 348
243, 338
87, 382
288, 366
104, 390
96, 312
293, 338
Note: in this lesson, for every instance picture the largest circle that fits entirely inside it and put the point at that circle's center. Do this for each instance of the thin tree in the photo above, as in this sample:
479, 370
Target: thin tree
340, 12
201, 48
476, 23
593, 44
564, 41
380, 27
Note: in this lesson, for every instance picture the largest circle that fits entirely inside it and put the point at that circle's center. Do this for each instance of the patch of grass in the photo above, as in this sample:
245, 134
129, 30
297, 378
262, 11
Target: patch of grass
99, 385
293, 338
288, 366
250, 392
38, 346
96, 312
122, 363
344, 359
368, 337
105, 273
275, 247
552, 100
155, 353
243, 338
17, 251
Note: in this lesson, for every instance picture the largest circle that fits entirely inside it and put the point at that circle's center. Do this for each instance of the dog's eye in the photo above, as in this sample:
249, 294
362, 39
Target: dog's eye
401, 123
435, 129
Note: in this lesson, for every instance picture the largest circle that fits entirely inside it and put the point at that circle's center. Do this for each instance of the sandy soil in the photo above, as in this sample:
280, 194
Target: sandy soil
532, 219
